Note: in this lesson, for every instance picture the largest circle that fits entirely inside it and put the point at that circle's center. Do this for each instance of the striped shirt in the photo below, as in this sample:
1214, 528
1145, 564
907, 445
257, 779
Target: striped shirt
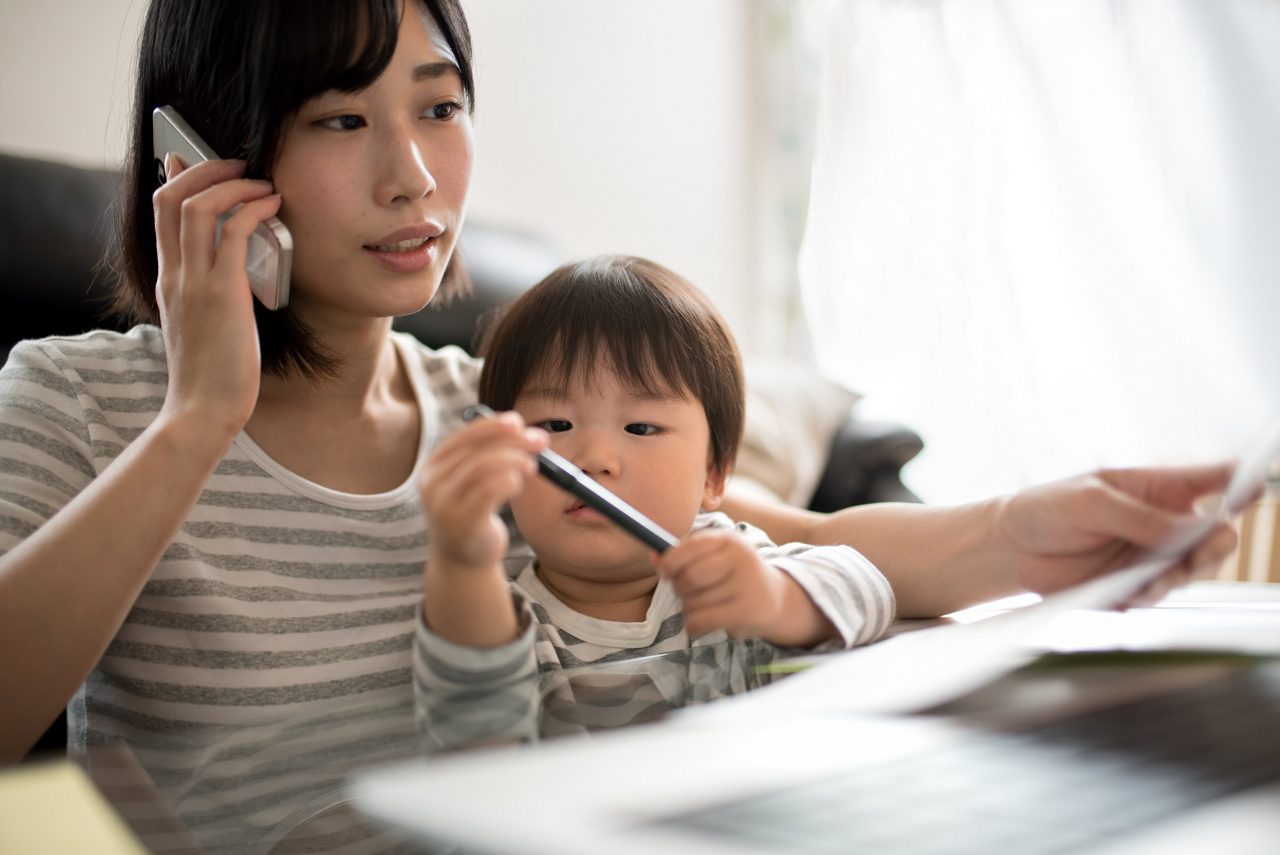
277, 597
845, 587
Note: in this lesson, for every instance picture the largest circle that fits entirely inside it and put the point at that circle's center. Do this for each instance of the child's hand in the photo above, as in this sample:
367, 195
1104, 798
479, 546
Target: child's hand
467, 479
725, 585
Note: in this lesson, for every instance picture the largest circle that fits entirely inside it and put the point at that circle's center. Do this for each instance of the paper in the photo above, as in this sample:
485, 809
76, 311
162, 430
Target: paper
54, 808
1223, 617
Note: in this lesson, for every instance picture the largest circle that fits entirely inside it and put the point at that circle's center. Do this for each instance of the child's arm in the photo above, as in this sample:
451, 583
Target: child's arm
466, 598
794, 595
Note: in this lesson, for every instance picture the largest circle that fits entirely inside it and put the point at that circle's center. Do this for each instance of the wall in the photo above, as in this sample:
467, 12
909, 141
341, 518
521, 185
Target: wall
605, 126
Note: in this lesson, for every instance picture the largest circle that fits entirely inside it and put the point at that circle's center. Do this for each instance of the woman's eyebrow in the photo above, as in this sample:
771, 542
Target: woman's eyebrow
431, 70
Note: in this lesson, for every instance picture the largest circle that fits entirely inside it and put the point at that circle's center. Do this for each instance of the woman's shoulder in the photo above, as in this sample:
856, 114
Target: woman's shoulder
99, 353
449, 370
92, 387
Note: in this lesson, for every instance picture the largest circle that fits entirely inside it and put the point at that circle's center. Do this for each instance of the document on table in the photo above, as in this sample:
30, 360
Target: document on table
1223, 617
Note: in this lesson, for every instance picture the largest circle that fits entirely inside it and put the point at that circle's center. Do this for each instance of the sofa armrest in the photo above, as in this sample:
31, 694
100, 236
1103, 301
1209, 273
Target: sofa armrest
865, 465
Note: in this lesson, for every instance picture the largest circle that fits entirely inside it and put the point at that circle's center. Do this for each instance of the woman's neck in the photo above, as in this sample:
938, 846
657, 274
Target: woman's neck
367, 378
356, 432
627, 601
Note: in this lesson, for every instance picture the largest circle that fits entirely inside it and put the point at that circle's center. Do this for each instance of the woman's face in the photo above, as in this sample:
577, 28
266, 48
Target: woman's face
374, 183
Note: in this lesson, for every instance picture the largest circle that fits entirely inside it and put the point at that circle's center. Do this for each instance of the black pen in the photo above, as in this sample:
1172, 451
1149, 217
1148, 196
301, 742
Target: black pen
573, 480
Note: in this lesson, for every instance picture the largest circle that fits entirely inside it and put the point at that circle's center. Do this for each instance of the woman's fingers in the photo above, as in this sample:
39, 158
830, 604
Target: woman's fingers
199, 223
1174, 489
184, 182
1207, 557
232, 254
1113, 512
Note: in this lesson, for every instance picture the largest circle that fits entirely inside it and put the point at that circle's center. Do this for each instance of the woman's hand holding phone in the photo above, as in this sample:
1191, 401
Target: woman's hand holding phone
206, 307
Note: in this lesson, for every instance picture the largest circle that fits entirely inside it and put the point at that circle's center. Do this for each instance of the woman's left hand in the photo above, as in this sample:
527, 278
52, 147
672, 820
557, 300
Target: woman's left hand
1061, 534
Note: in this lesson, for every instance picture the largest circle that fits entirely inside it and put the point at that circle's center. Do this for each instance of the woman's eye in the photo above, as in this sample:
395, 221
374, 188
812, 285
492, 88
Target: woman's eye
642, 429
342, 123
554, 425
445, 111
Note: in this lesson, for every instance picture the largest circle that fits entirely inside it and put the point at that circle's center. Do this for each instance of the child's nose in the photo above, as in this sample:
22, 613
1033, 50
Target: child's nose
596, 455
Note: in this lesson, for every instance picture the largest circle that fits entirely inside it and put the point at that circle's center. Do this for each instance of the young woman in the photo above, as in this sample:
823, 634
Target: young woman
215, 518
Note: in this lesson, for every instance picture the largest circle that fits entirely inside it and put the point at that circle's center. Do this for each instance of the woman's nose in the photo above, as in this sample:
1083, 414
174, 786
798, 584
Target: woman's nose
404, 173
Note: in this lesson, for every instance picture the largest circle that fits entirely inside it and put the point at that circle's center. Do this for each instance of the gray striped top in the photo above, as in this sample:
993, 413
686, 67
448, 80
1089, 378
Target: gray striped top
276, 597
571, 673
846, 587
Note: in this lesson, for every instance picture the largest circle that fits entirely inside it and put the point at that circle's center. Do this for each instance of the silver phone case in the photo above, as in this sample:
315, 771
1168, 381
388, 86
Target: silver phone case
270, 259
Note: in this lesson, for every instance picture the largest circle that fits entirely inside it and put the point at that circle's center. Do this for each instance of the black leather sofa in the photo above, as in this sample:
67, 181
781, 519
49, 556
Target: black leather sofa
56, 227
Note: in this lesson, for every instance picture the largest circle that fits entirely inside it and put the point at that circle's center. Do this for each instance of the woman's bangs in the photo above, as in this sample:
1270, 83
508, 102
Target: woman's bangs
321, 57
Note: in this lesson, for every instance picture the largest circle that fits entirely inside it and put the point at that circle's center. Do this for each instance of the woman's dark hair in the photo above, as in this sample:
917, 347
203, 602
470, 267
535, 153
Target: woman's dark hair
237, 72
651, 327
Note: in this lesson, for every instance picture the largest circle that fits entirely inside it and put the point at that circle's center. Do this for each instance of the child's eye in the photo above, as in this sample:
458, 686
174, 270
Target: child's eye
345, 122
642, 429
554, 425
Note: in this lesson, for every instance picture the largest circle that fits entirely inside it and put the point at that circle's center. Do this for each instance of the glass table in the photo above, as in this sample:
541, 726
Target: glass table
279, 787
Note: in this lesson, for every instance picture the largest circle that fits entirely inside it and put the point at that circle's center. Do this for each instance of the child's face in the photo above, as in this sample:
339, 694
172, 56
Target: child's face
654, 453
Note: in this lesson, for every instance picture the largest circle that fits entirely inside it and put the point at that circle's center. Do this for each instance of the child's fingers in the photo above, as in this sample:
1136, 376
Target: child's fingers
506, 428
712, 597
689, 554
724, 616
708, 575
463, 449
484, 480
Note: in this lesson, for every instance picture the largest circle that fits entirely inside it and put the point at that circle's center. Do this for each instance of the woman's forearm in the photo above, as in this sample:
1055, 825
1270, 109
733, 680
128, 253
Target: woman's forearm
937, 559
66, 589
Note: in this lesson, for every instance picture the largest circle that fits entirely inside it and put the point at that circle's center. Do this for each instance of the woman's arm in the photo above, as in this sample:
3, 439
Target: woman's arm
931, 556
66, 589
1042, 539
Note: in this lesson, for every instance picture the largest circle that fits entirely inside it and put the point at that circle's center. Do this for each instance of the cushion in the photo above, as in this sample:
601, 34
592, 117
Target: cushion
792, 416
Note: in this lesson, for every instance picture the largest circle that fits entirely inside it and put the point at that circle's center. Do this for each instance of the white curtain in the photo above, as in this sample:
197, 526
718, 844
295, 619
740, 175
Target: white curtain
1047, 234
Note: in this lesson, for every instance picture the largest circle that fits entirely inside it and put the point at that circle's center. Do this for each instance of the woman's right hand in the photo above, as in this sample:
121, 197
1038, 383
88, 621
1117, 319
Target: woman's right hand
206, 307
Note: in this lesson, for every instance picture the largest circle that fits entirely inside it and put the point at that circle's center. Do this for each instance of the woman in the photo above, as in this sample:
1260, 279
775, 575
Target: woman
216, 521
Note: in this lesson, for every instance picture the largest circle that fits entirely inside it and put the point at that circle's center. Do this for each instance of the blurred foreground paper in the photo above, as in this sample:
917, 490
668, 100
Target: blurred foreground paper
54, 808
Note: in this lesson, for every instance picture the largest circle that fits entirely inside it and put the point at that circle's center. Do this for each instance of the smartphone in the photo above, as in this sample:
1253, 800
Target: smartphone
270, 258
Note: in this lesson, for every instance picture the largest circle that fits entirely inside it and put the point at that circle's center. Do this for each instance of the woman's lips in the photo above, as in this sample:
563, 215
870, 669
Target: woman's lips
405, 260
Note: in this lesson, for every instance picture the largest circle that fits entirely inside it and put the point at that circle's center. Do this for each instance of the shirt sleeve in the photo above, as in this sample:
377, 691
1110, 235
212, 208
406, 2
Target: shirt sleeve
843, 584
468, 695
46, 455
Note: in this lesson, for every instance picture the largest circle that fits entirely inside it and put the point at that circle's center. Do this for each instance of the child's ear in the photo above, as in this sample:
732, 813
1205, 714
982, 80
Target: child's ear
713, 489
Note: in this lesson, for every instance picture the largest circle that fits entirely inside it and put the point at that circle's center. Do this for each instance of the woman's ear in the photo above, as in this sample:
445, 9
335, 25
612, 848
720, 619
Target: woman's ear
713, 489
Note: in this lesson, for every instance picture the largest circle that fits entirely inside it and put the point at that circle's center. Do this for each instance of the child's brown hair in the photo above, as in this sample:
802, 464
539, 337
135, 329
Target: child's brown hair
648, 325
